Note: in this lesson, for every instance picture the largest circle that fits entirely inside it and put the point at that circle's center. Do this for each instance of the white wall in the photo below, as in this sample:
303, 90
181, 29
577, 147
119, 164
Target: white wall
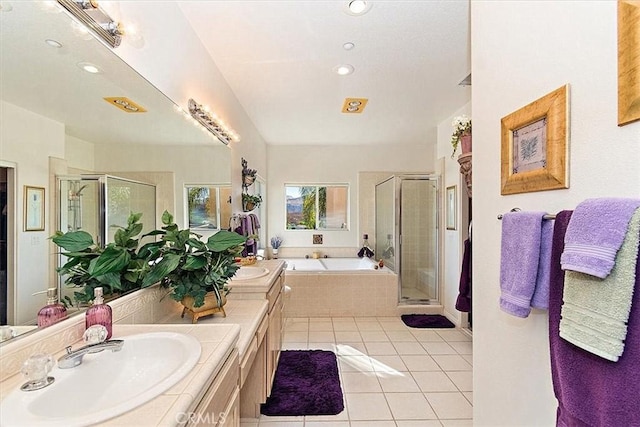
27, 140
452, 256
317, 164
79, 154
522, 51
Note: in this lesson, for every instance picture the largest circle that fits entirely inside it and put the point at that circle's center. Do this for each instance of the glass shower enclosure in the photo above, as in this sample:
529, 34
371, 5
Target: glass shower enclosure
407, 237
100, 204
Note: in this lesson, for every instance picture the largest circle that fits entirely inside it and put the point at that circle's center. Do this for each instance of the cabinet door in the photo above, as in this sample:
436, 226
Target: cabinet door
274, 340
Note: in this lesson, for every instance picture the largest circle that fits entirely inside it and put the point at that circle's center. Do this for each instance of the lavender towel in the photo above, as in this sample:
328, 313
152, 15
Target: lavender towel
520, 261
590, 390
595, 234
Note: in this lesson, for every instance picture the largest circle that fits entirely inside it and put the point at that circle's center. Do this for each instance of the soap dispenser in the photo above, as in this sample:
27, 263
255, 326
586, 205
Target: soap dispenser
99, 313
53, 311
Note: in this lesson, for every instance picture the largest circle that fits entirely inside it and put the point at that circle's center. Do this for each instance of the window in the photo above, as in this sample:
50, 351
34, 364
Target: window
317, 207
208, 207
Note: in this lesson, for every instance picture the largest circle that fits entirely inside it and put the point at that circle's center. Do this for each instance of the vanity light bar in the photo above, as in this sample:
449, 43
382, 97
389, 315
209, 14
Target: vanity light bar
212, 123
96, 19
354, 105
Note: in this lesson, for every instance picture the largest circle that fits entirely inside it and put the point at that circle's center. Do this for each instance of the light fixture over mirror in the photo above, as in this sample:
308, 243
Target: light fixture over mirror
91, 15
212, 123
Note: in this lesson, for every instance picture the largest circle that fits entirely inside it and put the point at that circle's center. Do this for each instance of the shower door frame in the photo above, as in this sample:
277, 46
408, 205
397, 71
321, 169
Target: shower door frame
397, 218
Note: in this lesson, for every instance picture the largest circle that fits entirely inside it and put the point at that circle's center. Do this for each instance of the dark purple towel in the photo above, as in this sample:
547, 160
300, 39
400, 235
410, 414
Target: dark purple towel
591, 391
463, 303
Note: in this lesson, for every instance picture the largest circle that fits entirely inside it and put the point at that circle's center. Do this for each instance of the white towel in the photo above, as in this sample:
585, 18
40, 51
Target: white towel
595, 311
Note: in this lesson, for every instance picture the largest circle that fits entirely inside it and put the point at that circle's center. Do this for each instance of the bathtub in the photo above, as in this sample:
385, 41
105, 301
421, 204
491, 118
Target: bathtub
337, 287
333, 264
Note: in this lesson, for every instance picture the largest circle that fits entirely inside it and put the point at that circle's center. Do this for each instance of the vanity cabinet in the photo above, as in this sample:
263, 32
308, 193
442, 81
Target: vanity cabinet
220, 404
276, 329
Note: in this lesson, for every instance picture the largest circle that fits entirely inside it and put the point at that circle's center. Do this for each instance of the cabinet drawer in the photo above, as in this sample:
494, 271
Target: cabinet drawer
273, 293
248, 359
262, 329
216, 399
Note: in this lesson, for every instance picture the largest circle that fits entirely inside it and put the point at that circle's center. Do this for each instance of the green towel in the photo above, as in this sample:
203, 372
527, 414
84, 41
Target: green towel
595, 311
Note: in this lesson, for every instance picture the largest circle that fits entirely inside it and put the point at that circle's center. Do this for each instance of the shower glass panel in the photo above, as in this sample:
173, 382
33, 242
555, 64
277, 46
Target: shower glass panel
386, 223
407, 235
419, 239
99, 205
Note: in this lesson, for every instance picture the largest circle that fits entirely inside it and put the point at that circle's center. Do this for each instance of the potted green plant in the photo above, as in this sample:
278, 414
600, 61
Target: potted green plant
117, 267
195, 272
250, 201
461, 134
248, 174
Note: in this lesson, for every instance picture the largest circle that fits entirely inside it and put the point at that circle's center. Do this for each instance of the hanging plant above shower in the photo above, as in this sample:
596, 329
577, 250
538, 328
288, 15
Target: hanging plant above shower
248, 174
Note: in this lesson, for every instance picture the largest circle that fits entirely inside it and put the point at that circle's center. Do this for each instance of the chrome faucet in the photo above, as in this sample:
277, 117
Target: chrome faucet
73, 358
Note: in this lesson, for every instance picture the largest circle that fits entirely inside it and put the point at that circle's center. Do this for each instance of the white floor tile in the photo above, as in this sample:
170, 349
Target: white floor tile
426, 336
367, 406
450, 405
462, 347
468, 358
295, 346
438, 348
405, 348
469, 396
374, 336
369, 326
347, 336
462, 379
450, 362
409, 406
392, 325
326, 424
380, 348
433, 381
296, 336
373, 424
420, 362
451, 335
388, 363
296, 327
355, 364
360, 382
457, 423
328, 346
398, 383
418, 423
341, 417
321, 326
351, 349
396, 336
321, 336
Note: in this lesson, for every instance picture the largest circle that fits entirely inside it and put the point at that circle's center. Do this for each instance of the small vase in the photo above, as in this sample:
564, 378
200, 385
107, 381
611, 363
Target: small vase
275, 253
465, 143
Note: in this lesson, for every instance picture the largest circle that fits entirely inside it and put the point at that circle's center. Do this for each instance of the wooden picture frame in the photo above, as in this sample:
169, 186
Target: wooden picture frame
628, 61
451, 211
34, 208
534, 145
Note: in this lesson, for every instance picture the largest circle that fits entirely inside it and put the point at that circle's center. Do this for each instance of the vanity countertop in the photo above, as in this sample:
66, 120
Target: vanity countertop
217, 341
246, 313
259, 284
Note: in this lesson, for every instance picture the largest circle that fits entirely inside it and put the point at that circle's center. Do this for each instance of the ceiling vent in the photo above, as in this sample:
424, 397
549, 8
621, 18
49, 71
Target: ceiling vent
125, 104
354, 105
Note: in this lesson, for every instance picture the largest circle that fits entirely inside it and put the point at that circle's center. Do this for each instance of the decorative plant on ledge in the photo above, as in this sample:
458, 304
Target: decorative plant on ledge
461, 128
250, 201
190, 267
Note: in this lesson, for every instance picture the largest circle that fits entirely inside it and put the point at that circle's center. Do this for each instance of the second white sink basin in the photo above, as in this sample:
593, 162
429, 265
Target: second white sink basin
106, 384
247, 273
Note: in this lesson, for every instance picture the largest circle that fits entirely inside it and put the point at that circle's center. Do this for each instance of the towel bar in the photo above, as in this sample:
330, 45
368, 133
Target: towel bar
546, 216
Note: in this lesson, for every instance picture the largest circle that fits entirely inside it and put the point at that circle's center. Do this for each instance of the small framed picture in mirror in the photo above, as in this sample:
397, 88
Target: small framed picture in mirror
33, 208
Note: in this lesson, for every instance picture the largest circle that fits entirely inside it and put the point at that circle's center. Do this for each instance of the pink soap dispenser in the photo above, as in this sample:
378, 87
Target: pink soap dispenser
53, 311
99, 313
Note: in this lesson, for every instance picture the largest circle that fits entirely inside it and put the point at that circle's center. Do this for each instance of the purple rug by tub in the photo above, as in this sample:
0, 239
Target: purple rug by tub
306, 383
426, 321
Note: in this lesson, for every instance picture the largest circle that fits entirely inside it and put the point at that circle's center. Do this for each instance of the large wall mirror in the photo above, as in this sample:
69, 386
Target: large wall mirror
51, 107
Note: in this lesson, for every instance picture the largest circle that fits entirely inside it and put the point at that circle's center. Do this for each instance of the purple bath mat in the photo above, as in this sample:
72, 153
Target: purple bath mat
306, 383
426, 321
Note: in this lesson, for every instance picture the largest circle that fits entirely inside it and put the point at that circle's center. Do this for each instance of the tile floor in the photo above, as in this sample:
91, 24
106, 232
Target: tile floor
392, 375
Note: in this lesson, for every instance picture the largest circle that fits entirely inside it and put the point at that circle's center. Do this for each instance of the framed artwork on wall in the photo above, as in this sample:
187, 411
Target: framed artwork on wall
33, 208
451, 210
534, 145
628, 61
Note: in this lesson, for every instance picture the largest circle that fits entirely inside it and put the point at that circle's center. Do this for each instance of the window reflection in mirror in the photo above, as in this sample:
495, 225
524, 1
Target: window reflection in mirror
317, 206
208, 207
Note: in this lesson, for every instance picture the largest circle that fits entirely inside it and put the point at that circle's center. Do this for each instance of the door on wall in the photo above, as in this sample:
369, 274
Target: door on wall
7, 202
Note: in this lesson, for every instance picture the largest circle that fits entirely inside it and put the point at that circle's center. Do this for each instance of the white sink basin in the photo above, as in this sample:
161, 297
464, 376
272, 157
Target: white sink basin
247, 273
106, 384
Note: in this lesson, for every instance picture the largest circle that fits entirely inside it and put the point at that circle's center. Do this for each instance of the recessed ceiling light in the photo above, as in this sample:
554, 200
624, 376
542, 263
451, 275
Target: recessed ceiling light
357, 7
89, 68
53, 43
344, 69
348, 46
354, 105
